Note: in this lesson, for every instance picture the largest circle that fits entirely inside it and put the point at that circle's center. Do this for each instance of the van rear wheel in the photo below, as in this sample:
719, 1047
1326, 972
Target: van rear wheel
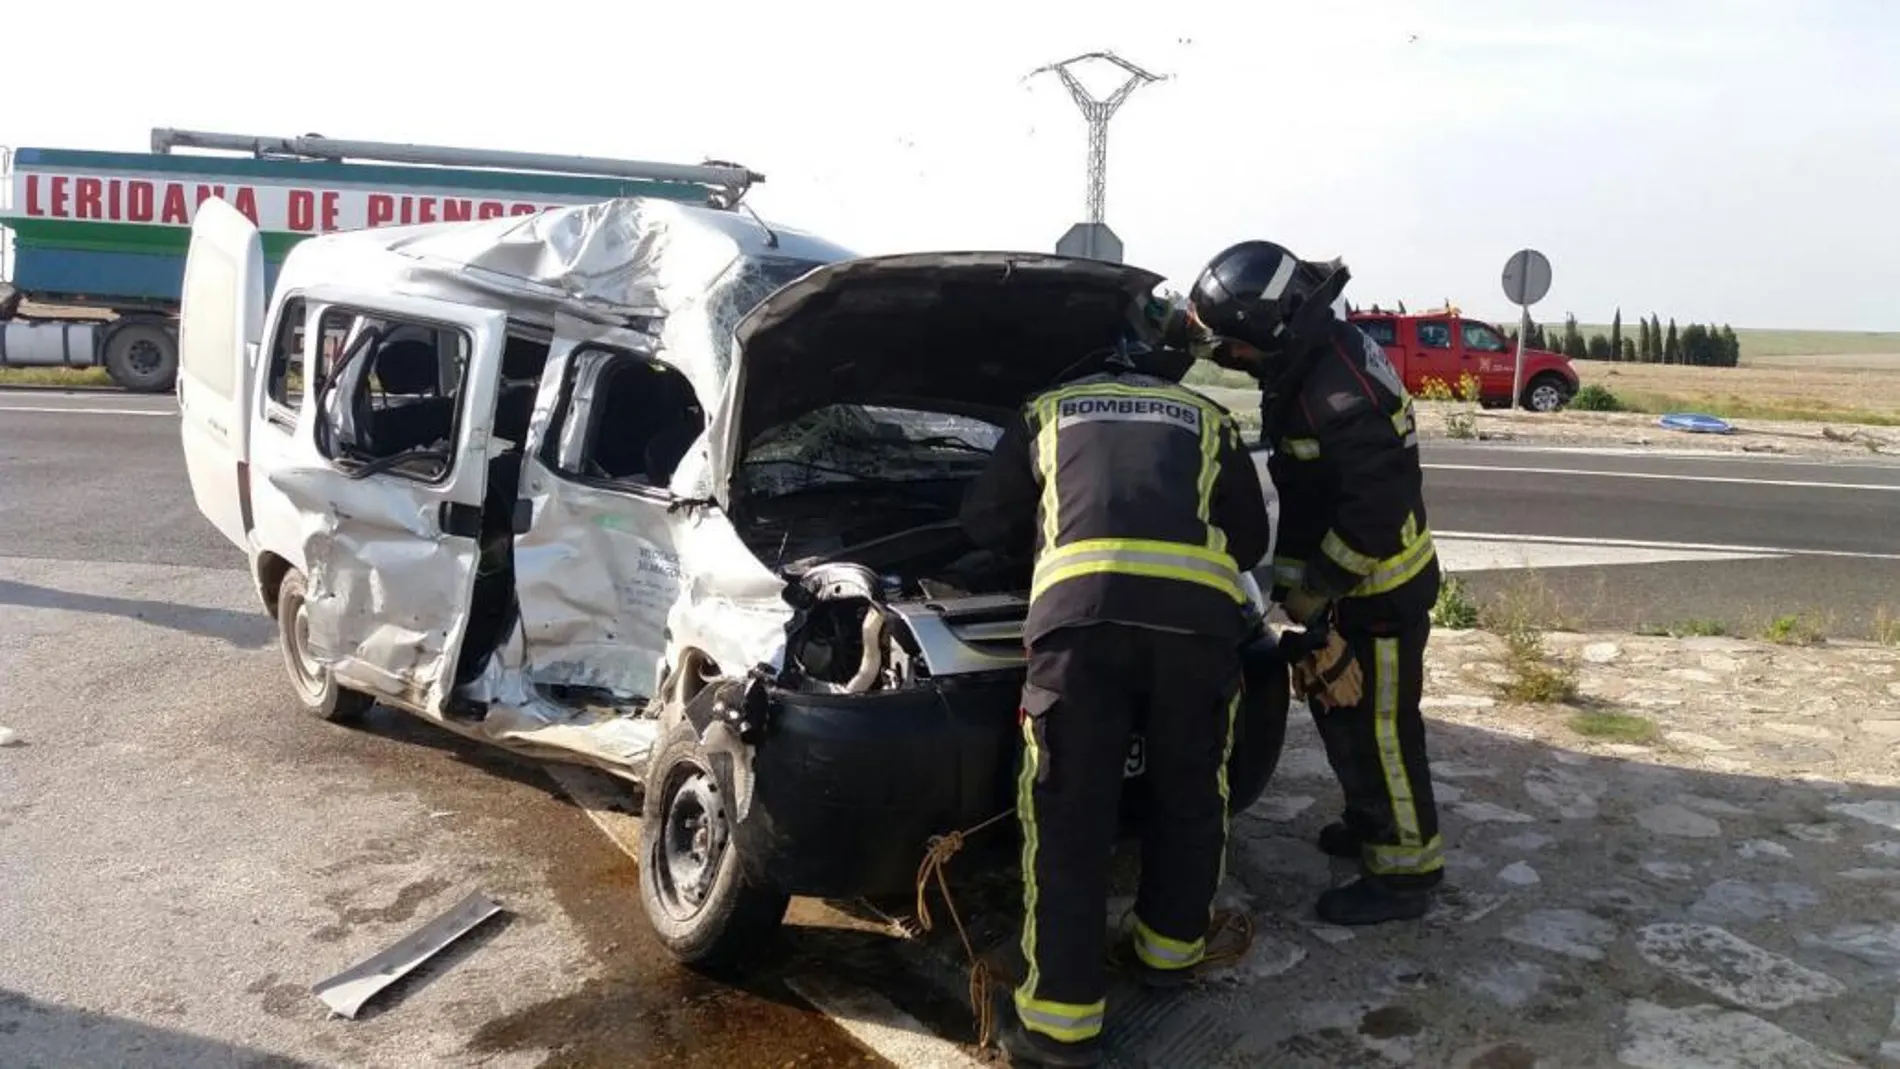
317, 689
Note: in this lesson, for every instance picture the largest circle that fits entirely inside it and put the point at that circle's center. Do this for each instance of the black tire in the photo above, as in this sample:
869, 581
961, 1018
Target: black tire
143, 357
317, 690
710, 920
1546, 392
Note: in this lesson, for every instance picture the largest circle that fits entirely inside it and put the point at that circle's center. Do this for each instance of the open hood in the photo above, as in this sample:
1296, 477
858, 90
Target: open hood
975, 333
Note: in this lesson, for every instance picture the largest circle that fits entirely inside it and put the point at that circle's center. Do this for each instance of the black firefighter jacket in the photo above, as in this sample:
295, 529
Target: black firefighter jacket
1345, 463
1138, 499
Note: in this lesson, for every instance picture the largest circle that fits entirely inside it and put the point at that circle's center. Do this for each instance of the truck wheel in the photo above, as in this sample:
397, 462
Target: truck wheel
317, 690
693, 884
1546, 393
142, 357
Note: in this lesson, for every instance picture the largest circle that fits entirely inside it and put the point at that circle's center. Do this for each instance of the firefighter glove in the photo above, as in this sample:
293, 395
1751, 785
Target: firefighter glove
1329, 675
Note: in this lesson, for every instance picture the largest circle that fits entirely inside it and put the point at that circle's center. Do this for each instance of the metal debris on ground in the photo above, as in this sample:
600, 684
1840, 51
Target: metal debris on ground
346, 992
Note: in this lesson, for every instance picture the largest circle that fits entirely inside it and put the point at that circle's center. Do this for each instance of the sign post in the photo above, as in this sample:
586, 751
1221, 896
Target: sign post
1526, 281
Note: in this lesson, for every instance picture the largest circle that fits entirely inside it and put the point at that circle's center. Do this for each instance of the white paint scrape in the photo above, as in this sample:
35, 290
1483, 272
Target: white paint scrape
1732, 968
1710, 1037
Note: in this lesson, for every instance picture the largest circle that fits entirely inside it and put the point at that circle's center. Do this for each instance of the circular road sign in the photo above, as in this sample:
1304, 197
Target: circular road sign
1526, 277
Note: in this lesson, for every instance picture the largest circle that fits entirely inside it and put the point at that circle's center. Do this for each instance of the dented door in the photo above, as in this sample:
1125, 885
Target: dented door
392, 557
220, 324
597, 571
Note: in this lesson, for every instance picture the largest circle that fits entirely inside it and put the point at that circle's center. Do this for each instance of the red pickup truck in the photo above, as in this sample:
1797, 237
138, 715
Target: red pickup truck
1447, 346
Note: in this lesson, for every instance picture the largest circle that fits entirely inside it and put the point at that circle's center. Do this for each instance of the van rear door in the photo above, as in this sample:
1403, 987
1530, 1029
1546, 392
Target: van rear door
219, 327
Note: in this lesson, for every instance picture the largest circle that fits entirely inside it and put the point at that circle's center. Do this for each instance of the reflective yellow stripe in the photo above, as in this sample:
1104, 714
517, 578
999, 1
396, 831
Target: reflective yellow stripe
1288, 570
1157, 951
1226, 798
1385, 727
1406, 860
1026, 815
1394, 572
1345, 556
1210, 467
1065, 1022
1302, 448
1403, 421
1137, 556
1046, 462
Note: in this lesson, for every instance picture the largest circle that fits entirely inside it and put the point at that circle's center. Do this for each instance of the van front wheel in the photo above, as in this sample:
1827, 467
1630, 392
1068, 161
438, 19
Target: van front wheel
694, 887
317, 689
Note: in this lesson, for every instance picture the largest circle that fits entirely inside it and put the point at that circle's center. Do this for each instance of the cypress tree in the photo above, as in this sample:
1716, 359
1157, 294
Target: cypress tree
1616, 335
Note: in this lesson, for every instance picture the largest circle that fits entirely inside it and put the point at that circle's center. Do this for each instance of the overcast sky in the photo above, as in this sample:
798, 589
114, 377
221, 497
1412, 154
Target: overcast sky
1732, 160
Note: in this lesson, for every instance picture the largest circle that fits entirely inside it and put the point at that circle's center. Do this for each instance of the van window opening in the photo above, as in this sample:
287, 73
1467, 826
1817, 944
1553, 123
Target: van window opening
392, 401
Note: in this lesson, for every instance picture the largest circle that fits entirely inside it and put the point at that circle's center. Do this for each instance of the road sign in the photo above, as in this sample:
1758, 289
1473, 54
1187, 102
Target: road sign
1526, 277
1091, 241
1526, 281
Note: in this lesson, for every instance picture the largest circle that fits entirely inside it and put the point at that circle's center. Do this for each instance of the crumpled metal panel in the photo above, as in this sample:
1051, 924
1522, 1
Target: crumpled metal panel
596, 575
732, 607
382, 583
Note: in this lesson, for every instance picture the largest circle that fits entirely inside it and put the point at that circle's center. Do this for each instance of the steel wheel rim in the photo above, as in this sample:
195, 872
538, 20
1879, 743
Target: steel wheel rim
693, 835
143, 356
305, 672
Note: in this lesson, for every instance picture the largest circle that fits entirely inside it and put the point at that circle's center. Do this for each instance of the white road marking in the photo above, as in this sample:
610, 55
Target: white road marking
64, 409
1486, 554
1701, 547
868, 1017
1665, 476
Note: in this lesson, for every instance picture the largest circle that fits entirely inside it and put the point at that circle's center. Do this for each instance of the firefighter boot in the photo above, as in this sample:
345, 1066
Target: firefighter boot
1369, 900
1026, 1048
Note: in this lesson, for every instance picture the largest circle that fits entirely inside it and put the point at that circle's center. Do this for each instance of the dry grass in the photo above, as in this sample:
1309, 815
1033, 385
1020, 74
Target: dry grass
1812, 393
1615, 727
54, 376
1886, 627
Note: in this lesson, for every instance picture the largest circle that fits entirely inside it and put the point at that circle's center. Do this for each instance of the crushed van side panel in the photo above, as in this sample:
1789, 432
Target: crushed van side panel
596, 575
376, 614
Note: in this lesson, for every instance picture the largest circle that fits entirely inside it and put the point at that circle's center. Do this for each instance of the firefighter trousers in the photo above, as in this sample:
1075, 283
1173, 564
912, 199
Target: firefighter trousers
1089, 689
1377, 750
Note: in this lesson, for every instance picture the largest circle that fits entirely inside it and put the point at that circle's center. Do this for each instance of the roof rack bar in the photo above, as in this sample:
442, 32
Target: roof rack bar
731, 179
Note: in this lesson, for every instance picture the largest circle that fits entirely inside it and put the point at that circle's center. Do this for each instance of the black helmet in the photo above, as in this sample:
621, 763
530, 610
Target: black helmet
1260, 293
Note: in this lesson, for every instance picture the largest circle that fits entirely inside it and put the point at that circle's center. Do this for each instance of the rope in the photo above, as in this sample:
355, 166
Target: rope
937, 855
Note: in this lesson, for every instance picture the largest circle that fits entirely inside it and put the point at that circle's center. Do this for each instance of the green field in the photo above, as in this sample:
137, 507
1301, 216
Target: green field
1877, 350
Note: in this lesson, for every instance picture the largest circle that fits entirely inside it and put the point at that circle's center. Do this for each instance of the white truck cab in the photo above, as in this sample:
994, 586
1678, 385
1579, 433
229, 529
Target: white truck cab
664, 490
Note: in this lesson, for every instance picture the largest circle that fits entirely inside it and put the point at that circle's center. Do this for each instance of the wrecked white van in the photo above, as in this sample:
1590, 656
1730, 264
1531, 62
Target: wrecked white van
665, 491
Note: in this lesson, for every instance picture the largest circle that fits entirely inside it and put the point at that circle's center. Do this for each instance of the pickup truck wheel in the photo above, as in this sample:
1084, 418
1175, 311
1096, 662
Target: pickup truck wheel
317, 690
1546, 393
142, 357
693, 883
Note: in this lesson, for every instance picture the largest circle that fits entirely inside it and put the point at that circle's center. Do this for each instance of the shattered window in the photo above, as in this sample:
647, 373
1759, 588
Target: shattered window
748, 281
867, 443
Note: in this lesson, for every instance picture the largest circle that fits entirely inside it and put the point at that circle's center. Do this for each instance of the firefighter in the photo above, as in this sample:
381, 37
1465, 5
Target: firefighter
1354, 563
1142, 511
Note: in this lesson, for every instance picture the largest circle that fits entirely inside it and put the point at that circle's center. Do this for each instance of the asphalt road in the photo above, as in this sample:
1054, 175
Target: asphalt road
1802, 536
180, 858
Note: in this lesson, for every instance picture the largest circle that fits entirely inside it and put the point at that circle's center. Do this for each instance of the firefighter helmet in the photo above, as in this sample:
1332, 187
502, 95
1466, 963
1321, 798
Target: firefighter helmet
1261, 294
